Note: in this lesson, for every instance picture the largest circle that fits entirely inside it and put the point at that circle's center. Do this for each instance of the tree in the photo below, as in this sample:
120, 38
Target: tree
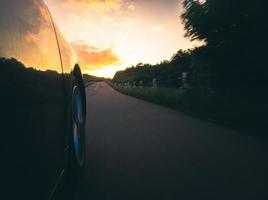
235, 33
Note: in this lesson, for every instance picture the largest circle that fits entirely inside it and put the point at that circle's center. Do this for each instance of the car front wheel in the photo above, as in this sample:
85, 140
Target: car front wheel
77, 136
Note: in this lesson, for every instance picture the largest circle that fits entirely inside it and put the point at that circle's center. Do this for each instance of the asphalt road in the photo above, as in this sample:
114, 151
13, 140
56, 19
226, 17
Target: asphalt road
138, 150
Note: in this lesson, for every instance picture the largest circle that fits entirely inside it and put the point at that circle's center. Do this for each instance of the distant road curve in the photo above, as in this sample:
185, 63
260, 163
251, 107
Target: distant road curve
138, 150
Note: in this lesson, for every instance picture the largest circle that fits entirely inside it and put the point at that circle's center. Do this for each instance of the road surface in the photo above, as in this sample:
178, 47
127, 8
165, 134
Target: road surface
138, 150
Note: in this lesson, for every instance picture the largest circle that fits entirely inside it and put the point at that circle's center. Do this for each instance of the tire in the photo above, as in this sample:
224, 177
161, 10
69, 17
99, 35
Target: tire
77, 140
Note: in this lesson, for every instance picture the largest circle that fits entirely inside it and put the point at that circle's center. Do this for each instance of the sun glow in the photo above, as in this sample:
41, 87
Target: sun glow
114, 34
106, 72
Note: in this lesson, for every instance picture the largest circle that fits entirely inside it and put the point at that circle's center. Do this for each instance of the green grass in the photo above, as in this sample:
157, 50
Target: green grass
169, 97
200, 103
193, 103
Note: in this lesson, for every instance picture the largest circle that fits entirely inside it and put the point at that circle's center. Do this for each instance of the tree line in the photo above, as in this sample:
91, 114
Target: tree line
229, 73
167, 73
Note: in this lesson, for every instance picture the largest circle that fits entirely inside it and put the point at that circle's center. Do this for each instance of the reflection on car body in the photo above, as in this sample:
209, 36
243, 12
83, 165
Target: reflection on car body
38, 73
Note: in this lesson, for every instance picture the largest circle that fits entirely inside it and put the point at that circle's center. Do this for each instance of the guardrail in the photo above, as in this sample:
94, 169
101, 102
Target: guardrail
175, 82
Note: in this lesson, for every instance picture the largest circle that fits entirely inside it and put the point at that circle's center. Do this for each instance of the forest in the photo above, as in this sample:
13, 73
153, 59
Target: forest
228, 75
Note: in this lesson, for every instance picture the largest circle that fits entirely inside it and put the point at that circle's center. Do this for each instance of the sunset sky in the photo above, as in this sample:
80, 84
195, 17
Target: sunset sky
110, 35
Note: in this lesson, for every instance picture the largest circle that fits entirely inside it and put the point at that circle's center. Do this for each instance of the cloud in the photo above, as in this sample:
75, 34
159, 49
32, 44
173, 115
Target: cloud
131, 7
92, 58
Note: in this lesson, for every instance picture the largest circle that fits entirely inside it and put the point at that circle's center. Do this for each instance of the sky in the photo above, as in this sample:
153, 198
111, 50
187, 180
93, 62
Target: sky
111, 35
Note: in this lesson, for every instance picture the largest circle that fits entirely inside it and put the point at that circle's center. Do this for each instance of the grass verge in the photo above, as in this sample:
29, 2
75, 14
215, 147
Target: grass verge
170, 97
200, 103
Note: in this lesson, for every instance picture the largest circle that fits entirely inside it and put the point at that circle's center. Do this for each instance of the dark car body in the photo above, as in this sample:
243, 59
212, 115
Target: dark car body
37, 69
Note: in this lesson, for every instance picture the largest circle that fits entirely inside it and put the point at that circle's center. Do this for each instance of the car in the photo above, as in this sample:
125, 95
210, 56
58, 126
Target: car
43, 104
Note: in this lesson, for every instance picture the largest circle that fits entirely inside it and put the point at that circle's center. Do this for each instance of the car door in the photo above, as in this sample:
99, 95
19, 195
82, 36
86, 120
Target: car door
32, 101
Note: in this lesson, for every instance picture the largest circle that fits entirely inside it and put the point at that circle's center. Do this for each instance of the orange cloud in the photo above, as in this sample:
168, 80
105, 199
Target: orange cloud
92, 58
